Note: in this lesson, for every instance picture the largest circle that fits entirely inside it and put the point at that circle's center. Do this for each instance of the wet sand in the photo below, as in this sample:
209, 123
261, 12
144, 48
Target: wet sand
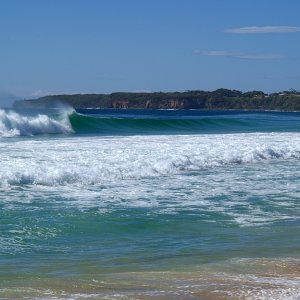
241, 279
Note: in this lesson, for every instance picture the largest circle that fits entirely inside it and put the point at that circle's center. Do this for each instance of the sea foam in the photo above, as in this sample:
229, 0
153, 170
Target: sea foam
15, 124
96, 160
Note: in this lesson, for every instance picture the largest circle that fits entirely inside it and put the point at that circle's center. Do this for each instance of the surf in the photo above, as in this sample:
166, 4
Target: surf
113, 159
14, 124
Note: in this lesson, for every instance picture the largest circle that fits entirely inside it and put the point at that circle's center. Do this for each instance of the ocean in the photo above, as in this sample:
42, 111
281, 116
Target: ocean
149, 204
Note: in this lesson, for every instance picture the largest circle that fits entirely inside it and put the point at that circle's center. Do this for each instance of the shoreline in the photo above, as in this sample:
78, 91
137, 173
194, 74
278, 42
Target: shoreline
249, 279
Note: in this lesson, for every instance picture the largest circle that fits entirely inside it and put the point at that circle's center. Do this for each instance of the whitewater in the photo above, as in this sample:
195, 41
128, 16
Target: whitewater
139, 204
16, 124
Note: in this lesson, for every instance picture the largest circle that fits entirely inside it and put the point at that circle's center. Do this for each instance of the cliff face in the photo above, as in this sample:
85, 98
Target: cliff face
120, 104
219, 99
170, 104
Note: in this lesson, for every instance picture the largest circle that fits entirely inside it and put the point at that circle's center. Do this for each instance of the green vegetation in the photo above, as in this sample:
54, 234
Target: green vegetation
218, 99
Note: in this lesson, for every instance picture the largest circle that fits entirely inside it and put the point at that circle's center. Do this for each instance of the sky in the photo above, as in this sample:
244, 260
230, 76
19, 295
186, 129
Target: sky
104, 46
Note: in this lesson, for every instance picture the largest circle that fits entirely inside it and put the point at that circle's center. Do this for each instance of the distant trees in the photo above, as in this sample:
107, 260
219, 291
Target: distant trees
254, 94
219, 99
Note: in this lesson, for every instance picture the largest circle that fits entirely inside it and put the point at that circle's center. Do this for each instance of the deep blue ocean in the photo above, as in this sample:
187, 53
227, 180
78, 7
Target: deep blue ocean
149, 204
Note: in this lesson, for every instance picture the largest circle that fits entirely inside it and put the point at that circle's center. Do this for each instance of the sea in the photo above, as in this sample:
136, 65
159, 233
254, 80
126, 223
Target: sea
149, 204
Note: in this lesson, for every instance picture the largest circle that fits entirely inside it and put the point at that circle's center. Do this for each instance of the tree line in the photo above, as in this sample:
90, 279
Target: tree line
218, 99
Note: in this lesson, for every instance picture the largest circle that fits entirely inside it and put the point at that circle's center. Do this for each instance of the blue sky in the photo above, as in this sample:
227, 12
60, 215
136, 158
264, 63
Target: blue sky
103, 46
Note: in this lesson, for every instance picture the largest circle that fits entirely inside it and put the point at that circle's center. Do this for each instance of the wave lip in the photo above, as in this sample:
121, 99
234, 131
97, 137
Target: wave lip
15, 124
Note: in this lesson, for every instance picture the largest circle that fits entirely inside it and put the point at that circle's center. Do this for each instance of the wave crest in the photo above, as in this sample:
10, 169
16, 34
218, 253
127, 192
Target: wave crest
15, 124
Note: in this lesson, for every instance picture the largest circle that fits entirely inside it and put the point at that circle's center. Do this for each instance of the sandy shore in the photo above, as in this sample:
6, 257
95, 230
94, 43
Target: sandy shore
241, 279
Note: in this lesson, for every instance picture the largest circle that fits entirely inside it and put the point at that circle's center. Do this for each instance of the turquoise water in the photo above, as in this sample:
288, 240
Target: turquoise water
109, 204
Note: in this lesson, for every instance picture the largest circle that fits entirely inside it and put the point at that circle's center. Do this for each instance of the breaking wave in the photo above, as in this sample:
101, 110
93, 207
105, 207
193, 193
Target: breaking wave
109, 123
15, 124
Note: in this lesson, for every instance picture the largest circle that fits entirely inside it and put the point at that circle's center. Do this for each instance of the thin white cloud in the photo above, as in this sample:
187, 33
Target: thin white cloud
237, 54
263, 29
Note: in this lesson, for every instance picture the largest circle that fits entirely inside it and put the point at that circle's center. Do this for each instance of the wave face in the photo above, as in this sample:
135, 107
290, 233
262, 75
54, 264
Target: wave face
109, 122
124, 126
15, 124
